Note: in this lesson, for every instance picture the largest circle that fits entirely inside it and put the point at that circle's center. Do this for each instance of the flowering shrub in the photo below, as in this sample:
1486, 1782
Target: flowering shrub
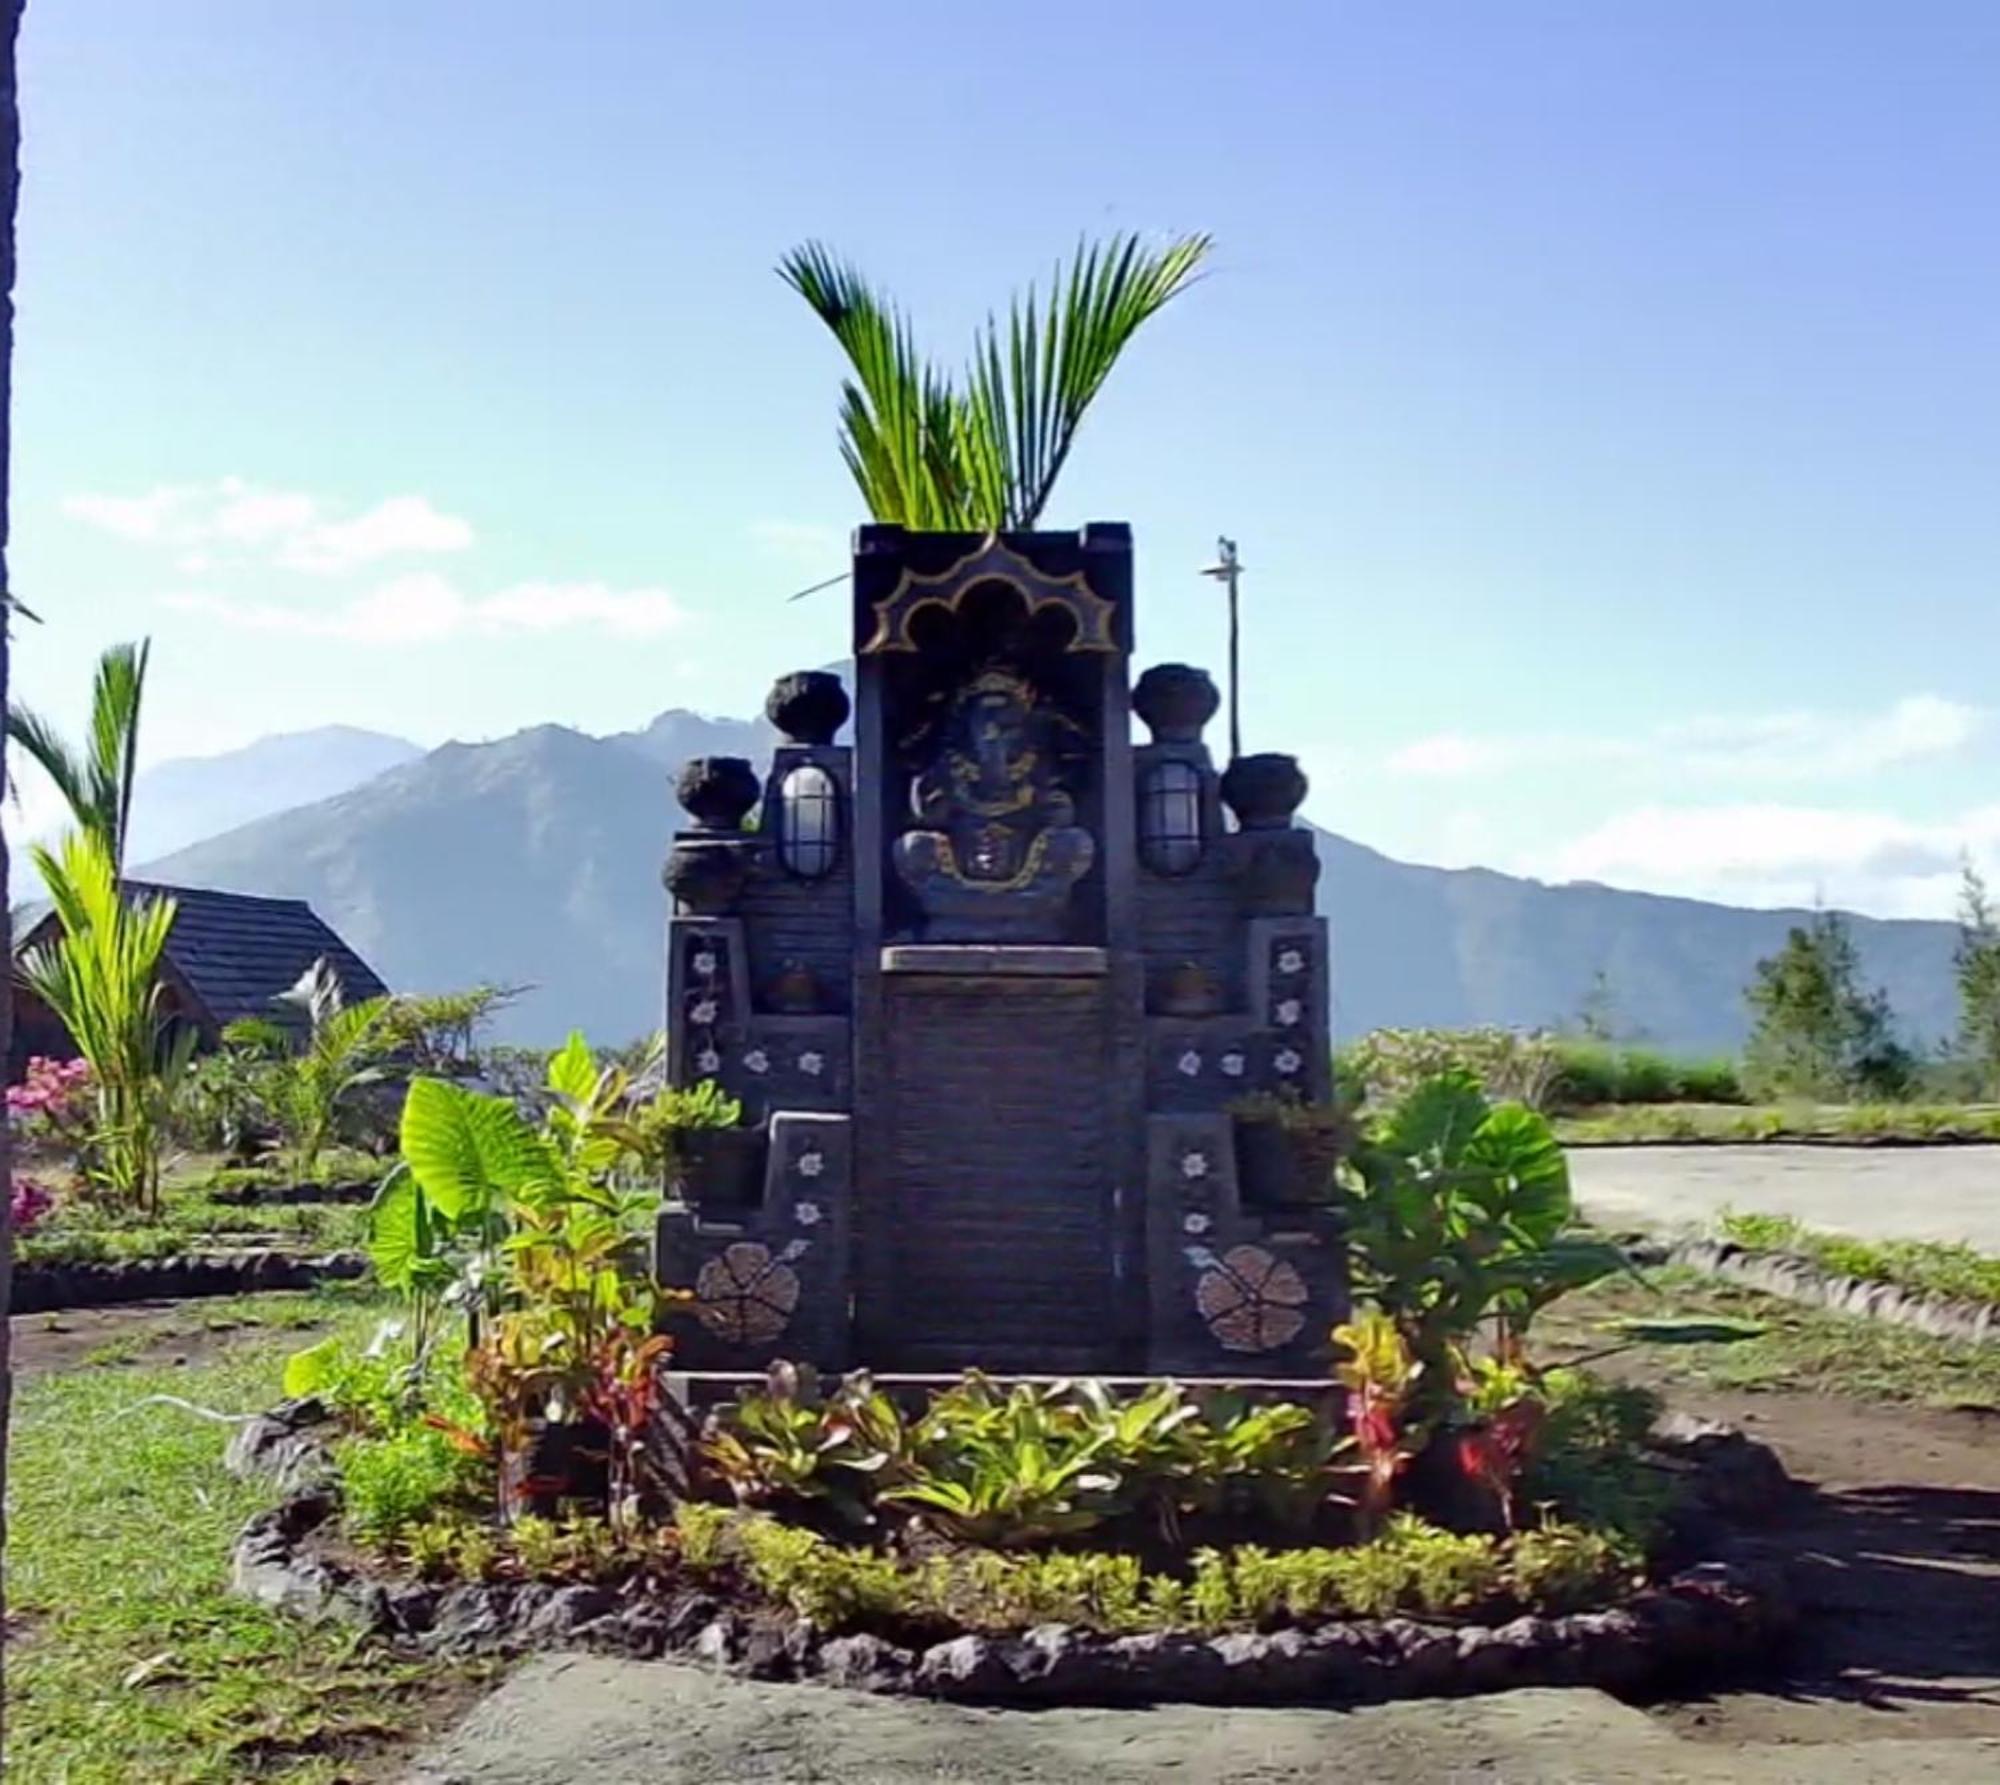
51, 1107
30, 1202
1386, 1065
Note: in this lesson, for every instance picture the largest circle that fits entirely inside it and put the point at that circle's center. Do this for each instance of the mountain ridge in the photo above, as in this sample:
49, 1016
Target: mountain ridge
535, 859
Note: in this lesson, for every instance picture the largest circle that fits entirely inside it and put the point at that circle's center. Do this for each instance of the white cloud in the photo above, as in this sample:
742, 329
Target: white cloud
232, 521
1774, 747
1770, 854
425, 607
1451, 756
1803, 745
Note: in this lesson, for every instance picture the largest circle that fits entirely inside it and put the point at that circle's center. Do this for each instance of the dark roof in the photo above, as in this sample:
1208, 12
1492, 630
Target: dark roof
236, 953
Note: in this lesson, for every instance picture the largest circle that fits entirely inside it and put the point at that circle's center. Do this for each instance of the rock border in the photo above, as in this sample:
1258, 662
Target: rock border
1711, 1620
51, 1288
260, 1196
1797, 1279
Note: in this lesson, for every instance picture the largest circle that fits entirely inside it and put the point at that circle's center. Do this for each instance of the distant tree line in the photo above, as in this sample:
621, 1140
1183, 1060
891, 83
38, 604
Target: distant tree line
1818, 1032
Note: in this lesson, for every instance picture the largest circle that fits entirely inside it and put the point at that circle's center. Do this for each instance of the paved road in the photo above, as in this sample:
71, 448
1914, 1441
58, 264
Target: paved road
1925, 1193
612, 1722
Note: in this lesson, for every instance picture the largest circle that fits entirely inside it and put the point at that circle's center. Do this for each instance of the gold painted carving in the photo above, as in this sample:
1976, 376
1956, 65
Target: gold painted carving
993, 562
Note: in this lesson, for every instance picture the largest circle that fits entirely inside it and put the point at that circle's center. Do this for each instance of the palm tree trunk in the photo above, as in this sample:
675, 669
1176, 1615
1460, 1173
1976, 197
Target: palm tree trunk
10, 192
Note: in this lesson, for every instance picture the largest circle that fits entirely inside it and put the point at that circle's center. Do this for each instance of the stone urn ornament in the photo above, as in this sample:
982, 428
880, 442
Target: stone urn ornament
1264, 790
717, 792
808, 706
1176, 700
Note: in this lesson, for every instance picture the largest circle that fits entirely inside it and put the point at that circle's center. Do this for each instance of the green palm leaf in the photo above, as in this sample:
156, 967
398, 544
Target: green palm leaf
929, 455
95, 781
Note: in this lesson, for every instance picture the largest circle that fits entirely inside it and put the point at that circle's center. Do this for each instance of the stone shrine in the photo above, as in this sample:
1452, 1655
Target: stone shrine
993, 984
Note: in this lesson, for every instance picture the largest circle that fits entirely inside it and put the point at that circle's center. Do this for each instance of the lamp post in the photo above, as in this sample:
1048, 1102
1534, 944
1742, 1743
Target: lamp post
1226, 569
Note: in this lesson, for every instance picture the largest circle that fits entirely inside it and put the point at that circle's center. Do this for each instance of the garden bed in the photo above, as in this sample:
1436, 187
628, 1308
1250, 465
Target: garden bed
47, 1288
1707, 1621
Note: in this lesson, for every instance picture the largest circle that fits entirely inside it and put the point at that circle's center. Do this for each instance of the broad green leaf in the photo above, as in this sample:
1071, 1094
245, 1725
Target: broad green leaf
309, 1371
468, 1151
399, 1238
573, 1069
1438, 1117
1529, 1184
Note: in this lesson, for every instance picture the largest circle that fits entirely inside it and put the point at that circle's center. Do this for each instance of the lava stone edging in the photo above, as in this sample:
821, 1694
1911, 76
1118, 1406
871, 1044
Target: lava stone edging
46, 1288
1797, 1279
1710, 1621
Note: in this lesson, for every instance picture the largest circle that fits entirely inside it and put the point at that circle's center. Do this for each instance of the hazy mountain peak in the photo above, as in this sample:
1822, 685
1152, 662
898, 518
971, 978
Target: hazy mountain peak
536, 858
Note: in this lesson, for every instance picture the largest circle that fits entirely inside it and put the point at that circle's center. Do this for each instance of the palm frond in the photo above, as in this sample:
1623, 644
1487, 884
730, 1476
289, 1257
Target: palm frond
1038, 379
931, 455
116, 694
96, 781
51, 752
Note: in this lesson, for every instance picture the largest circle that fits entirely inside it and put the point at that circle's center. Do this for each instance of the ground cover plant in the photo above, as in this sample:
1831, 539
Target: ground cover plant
1931, 1267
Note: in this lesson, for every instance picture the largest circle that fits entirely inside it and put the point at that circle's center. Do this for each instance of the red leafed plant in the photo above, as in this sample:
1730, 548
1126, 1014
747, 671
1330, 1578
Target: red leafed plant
625, 1393
1496, 1452
1378, 1375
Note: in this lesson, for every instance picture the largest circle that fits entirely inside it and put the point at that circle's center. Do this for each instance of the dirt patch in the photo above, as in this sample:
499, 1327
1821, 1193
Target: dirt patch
153, 1333
1895, 1559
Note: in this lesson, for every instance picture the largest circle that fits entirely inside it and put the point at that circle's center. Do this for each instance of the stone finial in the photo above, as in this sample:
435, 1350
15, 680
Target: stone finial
808, 706
1264, 790
1176, 700
717, 791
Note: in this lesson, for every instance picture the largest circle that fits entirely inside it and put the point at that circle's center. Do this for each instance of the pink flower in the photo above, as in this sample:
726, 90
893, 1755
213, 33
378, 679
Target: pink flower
31, 1201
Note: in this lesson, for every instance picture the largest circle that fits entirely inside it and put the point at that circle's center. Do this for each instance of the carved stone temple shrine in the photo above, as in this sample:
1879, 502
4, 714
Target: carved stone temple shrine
991, 983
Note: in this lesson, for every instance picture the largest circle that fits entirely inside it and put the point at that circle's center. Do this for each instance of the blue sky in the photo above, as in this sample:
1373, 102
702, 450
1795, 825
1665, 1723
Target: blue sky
1606, 398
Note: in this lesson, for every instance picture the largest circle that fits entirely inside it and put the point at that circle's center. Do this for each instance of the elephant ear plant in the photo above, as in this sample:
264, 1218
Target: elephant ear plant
1459, 1213
534, 1232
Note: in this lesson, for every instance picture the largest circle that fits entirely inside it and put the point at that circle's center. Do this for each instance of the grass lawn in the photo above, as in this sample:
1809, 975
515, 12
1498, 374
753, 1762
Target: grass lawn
1856, 1124
1763, 1343
128, 1659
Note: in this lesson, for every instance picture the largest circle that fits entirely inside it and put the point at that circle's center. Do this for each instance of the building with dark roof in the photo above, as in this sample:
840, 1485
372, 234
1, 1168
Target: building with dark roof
228, 955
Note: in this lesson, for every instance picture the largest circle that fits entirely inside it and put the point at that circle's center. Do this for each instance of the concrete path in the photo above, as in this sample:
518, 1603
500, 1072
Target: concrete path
563, 1718
1923, 1193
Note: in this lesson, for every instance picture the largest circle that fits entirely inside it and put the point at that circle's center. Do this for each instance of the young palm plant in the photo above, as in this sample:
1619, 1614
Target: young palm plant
101, 977
983, 456
338, 1054
95, 781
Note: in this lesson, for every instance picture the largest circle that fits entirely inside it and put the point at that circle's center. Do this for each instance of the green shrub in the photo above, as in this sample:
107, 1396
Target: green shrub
1023, 1465
1413, 1568
1588, 1074
389, 1483
1561, 1568
1387, 1065
1590, 1465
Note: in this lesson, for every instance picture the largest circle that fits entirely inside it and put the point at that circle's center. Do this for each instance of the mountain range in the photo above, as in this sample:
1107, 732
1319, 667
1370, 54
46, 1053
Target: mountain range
534, 861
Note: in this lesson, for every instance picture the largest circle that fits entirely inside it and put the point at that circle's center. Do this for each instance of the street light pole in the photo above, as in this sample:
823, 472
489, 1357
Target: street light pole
1226, 569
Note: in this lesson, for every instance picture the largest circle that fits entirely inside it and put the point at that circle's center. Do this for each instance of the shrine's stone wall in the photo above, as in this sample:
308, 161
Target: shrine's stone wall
994, 996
